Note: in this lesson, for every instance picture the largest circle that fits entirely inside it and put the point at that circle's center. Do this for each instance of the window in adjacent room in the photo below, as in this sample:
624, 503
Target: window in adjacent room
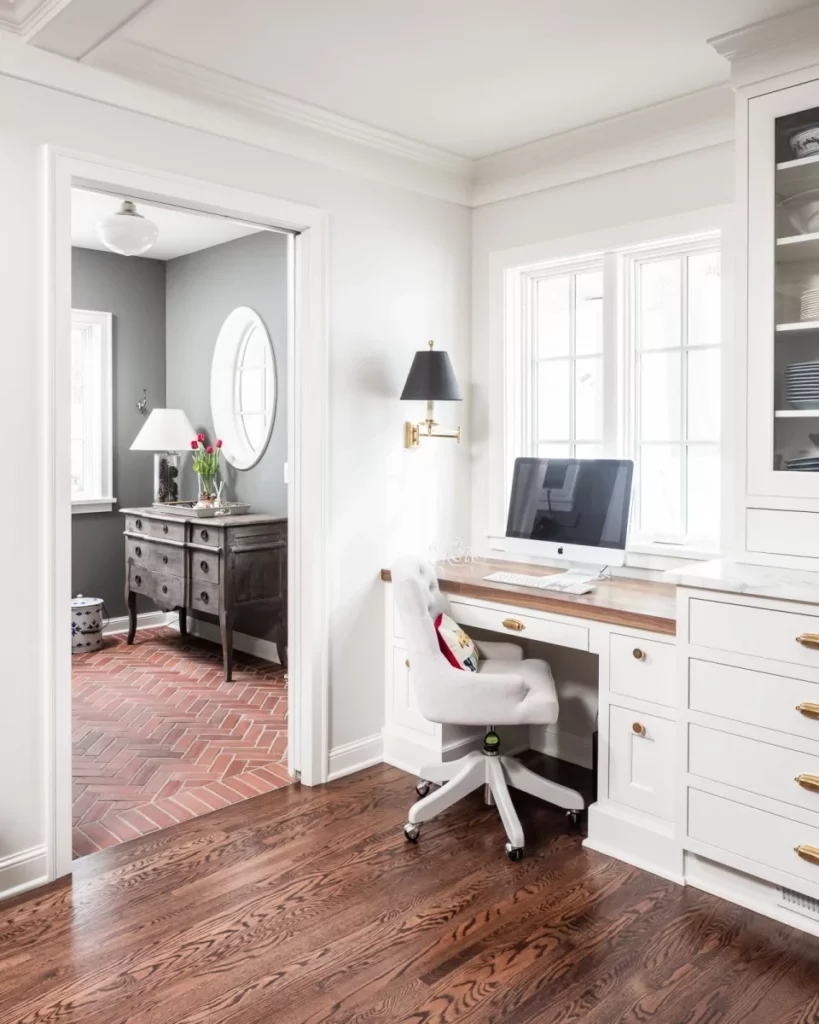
618, 355
91, 418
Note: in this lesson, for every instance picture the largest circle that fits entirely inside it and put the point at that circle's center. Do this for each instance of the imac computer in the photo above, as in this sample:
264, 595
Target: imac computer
577, 509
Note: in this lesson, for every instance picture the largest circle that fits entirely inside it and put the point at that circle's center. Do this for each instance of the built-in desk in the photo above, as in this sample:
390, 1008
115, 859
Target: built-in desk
627, 628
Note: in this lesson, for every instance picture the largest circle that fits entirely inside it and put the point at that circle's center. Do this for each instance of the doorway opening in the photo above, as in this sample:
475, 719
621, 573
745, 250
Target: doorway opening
179, 349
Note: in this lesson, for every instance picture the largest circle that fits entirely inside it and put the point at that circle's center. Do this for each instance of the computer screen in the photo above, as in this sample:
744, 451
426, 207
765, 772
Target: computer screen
571, 501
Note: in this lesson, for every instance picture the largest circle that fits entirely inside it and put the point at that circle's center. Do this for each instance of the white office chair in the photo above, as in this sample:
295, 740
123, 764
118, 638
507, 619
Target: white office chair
506, 690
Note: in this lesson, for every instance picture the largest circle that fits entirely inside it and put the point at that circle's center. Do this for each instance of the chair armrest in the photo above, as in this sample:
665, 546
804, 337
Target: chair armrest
499, 650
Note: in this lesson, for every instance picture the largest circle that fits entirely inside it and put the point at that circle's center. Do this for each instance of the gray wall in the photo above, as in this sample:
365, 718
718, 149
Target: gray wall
133, 289
202, 289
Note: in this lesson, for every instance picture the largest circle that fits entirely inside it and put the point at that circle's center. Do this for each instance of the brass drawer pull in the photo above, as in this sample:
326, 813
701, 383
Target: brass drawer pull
808, 639
808, 710
639, 729
638, 654
810, 782
515, 624
808, 853
407, 663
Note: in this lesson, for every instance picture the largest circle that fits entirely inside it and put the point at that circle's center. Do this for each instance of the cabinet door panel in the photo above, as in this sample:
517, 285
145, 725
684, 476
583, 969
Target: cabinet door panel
641, 762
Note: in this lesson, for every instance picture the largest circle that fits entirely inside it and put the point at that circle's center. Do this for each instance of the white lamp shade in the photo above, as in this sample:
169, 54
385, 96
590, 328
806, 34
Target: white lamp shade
165, 430
127, 232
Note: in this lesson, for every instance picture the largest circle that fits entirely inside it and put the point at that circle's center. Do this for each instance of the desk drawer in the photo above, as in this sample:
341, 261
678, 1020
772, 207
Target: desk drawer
759, 632
784, 775
155, 528
644, 669
205, 597
767, 839
165, 590
641, 762
755, 698
205, 565
513, 623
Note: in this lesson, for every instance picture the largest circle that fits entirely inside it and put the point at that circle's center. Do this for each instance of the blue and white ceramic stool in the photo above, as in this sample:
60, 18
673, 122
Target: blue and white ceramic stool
86, 624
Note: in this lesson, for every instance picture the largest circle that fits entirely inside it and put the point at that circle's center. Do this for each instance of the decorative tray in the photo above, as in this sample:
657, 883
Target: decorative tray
189, 508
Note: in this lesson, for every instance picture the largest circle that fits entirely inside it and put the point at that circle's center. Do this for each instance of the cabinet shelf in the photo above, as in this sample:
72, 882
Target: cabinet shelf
796, 248
798, 327
797, 414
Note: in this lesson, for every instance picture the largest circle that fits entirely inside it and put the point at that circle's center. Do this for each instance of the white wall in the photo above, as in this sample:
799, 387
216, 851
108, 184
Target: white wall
692, 181
399, 274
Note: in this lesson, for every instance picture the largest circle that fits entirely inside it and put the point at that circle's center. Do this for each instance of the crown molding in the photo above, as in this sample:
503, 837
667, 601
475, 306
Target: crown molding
165, 71
23, 16
696, 121
775, 46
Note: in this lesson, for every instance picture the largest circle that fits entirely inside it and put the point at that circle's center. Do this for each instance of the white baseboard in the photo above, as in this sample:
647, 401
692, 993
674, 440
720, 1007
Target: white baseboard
145, 620
353, 757
23, 870
644, 842
547, 739
264, 649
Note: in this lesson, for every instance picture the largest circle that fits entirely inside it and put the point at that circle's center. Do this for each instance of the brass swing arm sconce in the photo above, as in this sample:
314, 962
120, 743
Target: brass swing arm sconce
431, 379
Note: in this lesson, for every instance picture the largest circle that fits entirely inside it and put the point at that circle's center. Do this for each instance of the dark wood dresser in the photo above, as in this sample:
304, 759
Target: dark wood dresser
216, 565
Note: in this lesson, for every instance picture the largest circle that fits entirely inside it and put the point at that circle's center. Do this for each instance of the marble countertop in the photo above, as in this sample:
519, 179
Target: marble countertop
741, 578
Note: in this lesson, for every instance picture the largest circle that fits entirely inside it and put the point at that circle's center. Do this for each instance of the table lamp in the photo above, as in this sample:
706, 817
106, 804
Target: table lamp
431, 379
166, 432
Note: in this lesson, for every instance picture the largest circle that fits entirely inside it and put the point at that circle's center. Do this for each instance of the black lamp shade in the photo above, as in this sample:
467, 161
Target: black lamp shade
431, 378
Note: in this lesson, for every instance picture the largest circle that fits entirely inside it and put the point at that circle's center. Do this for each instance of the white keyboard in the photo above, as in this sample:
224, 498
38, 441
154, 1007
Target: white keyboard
566, 582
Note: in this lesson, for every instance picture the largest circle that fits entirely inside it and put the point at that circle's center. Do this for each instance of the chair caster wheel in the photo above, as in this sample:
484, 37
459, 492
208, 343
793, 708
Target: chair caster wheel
514, 852
412, 832
573, 816
422, 787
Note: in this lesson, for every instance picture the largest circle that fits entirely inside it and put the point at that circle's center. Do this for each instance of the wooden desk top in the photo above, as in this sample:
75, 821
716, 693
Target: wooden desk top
639, 604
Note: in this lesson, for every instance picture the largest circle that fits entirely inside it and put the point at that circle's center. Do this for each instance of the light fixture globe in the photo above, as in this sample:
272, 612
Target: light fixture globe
126, 231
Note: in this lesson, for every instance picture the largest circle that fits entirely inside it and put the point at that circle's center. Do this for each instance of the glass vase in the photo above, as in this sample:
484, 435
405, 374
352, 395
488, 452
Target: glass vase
207, 489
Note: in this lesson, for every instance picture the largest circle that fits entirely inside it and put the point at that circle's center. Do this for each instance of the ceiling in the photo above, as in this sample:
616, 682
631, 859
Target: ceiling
180, 232
472, 77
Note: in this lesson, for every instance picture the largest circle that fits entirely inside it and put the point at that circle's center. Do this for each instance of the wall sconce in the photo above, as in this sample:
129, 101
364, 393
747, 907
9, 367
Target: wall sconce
142, 403
431, 379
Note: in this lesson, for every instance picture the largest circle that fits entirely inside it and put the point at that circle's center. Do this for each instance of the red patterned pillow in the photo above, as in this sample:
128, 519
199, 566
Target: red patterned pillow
455, 645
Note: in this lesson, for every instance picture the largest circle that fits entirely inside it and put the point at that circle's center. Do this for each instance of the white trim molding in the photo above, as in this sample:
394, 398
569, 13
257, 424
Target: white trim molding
354, 757
774, 46
264, 649
145, 620
23, 870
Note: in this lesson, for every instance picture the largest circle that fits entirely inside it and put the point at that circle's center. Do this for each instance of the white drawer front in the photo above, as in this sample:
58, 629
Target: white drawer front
405, 708
767, 839
513, 624
776, 772
756, 698
758, 632
641, 764
645, 669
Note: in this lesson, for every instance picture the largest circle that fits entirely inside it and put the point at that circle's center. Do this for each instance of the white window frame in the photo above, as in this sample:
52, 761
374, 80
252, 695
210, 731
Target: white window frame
102, 324
506, 429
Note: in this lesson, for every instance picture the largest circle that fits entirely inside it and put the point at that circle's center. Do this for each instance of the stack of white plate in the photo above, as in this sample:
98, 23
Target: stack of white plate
809, 305
802, 385
804, 464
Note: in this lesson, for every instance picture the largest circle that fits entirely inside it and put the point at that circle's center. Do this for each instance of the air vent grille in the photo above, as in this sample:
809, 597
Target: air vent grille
797, 901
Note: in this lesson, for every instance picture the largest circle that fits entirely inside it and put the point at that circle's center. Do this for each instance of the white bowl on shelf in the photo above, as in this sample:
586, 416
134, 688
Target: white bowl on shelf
802, 210
805, 142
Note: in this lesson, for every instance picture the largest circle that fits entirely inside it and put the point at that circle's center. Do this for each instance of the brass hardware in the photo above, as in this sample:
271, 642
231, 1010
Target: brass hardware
808, 782
413, 432
808, 639
808, 710
639, 728
515, 624
808, 853
407, 663
638, 654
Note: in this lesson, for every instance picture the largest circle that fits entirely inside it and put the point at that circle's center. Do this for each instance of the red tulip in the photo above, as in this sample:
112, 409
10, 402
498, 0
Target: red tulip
219, 442
209, 449
194, 445
200, 437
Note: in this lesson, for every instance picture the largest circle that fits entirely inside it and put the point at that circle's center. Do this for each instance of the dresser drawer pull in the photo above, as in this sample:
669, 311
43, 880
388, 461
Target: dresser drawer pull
165, 528
138, 551
808, 710
638, 654
808, 639
164, 559
809, 853
407, 663
639, 729
164, 588
204, 534
810, 782
138, 580
203, 565
138, 524
515, 624
204, 597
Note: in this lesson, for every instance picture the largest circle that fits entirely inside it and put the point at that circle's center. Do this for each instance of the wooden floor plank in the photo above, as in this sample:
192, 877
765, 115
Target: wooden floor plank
306, 906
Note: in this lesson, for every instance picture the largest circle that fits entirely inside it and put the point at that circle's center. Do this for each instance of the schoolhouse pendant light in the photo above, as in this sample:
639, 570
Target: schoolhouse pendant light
431, 379
126, 231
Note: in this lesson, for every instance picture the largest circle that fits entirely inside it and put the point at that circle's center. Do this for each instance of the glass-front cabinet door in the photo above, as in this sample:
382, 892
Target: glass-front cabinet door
783, 293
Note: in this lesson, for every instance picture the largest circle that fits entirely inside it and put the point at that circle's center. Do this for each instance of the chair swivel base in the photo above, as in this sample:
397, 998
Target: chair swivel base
497, 773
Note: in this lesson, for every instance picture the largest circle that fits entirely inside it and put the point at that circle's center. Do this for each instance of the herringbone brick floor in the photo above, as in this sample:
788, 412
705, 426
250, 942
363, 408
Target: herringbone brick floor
160, 737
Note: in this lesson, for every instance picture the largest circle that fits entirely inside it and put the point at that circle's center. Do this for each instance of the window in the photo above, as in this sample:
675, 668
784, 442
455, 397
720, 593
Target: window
243, 387
617, 354
91, 419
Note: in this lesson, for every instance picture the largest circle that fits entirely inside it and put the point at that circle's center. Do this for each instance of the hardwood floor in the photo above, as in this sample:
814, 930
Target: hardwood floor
307, 906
